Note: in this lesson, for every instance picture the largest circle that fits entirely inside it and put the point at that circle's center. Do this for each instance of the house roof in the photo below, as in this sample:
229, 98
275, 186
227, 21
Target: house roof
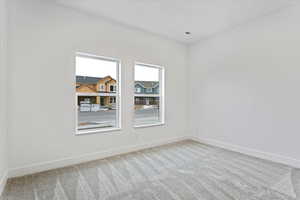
91, 80
147, 84
94, 80
87, 79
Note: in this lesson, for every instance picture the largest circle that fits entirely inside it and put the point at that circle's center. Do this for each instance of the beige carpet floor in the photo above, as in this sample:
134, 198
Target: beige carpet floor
185, 170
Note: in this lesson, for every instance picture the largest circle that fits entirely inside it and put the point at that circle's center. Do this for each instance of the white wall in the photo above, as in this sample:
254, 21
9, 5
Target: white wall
245, 85
43, 41
3, 92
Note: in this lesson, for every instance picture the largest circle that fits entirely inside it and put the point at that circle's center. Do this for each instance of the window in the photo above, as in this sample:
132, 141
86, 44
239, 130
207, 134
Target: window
113, 88
97, 110
138, 90
102, 87
149, 103
112, 100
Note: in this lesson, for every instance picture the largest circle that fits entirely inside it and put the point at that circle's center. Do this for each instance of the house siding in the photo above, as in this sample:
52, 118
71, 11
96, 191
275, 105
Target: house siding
143, 90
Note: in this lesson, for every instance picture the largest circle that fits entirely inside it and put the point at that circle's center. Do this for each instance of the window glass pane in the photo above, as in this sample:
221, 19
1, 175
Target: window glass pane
147, 98
97, 95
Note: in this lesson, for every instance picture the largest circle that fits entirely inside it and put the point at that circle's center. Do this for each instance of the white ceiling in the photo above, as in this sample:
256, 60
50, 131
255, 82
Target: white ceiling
172, 18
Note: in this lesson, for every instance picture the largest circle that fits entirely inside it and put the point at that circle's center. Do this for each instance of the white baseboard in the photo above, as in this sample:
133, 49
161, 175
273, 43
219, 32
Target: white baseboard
251, 152
3, 180
49, 165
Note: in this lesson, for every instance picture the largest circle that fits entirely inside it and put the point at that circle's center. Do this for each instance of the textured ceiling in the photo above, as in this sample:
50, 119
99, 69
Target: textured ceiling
172, 18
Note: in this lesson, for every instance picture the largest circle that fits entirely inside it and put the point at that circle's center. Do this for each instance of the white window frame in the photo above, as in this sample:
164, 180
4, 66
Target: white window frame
161, 94
118, 98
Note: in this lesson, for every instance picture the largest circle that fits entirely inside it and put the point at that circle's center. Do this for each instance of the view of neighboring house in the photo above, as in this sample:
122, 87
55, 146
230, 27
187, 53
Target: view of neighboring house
97, 91
101, 92
146, 93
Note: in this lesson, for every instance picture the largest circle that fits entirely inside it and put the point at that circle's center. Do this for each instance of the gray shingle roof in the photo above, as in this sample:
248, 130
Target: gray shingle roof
87, 79
147, 84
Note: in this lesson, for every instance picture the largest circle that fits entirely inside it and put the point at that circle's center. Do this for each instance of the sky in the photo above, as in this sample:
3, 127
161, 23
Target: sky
95, 67
101, 68
143, 73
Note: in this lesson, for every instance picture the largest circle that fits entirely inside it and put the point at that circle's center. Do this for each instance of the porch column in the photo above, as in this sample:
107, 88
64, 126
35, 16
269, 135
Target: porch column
98, 100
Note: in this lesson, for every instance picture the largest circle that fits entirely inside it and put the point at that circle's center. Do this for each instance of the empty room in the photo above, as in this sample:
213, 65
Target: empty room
149, 100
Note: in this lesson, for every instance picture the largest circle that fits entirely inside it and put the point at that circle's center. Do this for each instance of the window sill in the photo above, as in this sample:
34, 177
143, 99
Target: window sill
149, 125
95, 131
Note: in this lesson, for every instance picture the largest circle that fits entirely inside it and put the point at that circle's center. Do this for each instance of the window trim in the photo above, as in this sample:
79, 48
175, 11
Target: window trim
161, 94
118, 97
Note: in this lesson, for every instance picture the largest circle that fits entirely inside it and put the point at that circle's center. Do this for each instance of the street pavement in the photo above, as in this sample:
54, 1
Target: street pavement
108, 118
